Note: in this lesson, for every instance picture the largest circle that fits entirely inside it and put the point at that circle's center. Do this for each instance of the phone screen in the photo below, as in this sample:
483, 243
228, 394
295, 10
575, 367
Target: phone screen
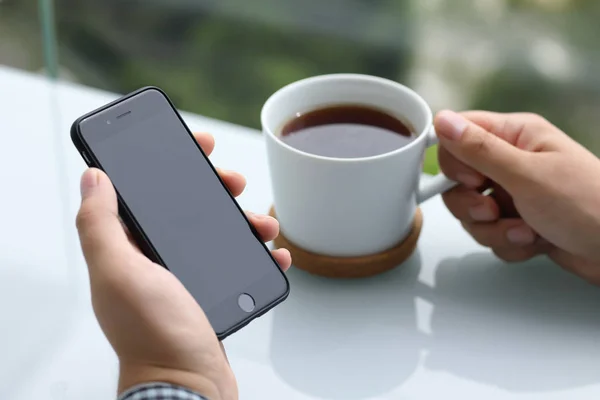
181, 205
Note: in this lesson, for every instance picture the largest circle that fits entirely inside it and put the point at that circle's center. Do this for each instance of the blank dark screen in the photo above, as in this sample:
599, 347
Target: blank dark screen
182, 206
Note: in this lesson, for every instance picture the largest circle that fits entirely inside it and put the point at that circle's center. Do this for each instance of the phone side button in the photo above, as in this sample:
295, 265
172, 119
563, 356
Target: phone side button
85, 157
246, 302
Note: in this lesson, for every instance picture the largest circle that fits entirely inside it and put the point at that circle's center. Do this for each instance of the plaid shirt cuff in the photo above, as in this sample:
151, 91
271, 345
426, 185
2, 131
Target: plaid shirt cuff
160, 391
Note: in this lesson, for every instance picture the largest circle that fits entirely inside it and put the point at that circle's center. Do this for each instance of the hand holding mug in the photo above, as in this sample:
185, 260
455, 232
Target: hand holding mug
546, 177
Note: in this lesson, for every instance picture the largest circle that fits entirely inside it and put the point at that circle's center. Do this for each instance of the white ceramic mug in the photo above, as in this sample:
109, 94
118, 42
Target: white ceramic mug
348, 206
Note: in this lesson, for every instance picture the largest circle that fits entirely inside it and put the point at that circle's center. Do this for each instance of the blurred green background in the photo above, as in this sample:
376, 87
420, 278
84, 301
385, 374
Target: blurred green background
223, 58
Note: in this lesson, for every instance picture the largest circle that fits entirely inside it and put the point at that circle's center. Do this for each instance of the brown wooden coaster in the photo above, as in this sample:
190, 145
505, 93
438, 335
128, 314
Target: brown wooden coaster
352, 267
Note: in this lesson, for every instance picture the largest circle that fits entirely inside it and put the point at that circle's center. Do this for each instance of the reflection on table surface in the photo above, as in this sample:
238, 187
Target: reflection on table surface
524, 327
348, 339
528, 327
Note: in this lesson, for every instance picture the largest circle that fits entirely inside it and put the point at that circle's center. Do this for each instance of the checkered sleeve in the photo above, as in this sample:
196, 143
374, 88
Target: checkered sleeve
160, 391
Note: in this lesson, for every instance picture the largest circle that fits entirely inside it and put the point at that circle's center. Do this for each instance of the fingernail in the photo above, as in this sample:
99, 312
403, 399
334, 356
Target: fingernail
469, 180
232, 173
89, 180
451, 125
521, 235
263, 217
482, 213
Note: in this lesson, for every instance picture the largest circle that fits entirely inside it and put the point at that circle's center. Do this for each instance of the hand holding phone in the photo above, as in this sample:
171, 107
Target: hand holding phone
178, 210
155, 326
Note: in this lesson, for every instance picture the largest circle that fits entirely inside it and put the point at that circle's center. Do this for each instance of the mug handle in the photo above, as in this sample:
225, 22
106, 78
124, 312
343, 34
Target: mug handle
437, 184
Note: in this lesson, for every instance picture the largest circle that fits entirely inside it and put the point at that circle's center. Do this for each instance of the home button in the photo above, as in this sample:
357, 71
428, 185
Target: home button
246, 302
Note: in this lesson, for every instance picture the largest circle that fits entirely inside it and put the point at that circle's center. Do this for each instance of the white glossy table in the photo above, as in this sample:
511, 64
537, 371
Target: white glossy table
452, 322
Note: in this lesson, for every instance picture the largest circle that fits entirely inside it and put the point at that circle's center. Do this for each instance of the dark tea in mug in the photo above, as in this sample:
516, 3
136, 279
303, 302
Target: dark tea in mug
347, 131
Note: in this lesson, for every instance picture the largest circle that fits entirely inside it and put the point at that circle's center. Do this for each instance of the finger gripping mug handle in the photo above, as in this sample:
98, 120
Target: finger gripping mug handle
438, 183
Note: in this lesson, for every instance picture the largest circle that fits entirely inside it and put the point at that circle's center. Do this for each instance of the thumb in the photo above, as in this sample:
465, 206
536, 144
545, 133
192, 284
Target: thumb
101, 234
483, 151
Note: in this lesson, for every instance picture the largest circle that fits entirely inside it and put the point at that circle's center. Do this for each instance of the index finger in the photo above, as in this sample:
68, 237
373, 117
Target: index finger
206, 142
514, 128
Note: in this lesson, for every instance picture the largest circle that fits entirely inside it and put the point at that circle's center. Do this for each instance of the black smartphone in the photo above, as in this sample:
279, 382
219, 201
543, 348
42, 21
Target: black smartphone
178, 209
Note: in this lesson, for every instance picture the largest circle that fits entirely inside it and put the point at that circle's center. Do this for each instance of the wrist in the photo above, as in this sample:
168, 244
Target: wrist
133, 374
